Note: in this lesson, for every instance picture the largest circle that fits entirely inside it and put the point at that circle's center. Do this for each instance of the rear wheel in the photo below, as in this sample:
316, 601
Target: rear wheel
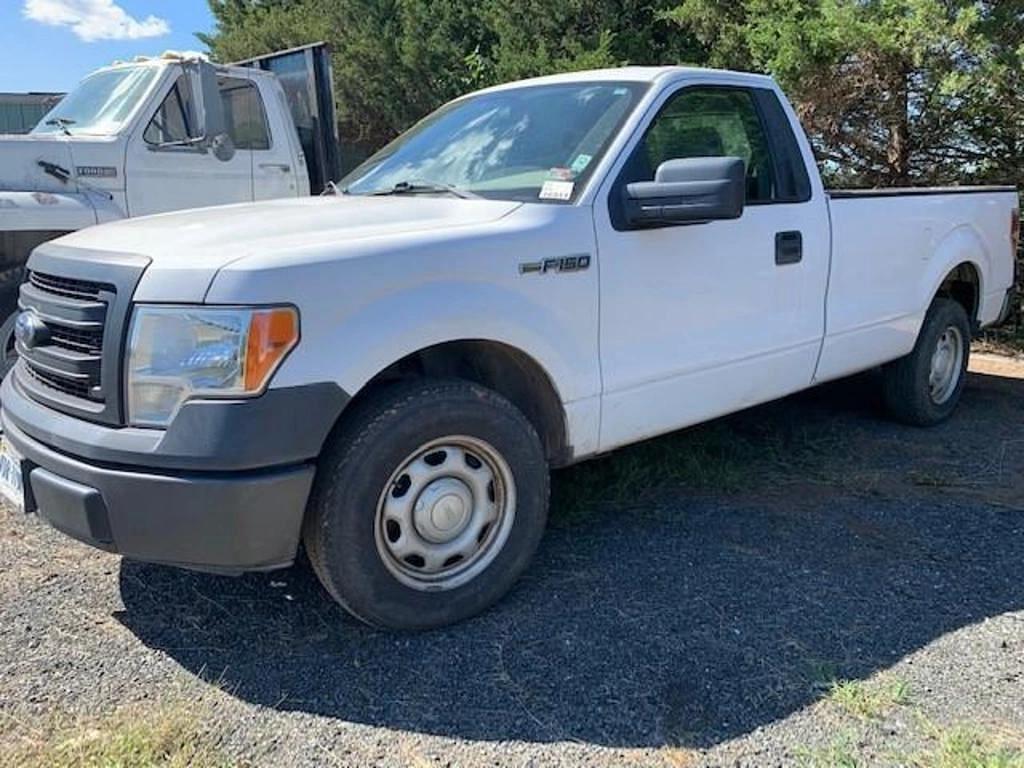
428, 504
924, 387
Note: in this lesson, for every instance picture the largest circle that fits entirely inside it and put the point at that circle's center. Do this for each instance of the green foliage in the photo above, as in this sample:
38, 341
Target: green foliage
396, 60
891, 91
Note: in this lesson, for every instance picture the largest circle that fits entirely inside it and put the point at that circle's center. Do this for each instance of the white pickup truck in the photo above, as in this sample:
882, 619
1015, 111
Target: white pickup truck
532, 275
164, 134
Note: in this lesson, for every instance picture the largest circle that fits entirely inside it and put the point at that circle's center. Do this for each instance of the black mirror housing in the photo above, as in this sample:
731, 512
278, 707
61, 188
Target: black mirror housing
688, 191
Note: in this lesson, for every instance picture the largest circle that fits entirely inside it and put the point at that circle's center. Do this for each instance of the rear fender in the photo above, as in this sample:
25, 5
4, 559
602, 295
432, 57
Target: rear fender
961, 246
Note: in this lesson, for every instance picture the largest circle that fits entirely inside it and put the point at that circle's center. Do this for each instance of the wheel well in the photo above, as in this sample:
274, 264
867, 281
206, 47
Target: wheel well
504, 369
963, 285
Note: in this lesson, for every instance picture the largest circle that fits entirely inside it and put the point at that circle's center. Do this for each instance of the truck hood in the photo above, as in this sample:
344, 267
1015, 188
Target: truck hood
187, 248
96, 161
19, 163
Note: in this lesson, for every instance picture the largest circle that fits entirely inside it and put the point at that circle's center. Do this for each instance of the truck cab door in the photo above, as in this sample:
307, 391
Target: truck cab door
702, 319
166, 170
278, 167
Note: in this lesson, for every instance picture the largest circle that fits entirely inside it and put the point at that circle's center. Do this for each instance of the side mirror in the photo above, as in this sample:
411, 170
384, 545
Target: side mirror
689, 191
210, 108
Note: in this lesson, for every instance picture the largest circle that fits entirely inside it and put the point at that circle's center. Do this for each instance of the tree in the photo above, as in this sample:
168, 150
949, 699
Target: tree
396, 60
890, 91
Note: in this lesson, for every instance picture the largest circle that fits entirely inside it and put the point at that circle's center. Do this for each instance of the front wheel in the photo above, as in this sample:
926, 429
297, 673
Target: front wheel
428, 504
924, 387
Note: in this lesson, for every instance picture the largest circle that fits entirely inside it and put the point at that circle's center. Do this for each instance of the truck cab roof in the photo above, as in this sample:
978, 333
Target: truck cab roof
637, 74
172, 58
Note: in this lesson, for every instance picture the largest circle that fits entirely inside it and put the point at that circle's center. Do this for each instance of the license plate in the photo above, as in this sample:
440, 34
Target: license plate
11, 482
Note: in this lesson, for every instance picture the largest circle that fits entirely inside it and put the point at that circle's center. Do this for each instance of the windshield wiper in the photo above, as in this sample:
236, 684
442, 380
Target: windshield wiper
426, 187
62, 123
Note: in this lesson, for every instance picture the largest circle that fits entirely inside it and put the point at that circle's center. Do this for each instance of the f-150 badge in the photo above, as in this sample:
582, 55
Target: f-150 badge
559, 264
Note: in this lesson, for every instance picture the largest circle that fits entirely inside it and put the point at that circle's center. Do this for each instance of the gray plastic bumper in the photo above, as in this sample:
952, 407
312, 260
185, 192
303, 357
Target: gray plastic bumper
141, 493
230, 522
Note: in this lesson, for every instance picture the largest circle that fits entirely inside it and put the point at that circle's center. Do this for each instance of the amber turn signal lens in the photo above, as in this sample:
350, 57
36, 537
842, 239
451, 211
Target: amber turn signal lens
272, 334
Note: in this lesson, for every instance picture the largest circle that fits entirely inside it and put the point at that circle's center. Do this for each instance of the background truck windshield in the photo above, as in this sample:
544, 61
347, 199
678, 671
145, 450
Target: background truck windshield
101, 103
534, 143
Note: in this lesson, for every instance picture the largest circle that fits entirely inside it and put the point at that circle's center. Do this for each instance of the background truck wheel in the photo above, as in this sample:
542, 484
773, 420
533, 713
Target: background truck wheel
428, 504
924, 387
8, 355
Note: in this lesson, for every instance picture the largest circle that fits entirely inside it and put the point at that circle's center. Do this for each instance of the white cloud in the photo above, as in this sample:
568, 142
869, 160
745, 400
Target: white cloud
94, 20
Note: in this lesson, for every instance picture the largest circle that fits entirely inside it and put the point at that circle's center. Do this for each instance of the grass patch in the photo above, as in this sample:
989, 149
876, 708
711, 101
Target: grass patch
969, 747
703, 458
170, 736
841, 752
1008, 340
868, 700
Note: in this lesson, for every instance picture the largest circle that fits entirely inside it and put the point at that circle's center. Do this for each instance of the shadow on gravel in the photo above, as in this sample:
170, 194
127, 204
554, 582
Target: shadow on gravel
685, 621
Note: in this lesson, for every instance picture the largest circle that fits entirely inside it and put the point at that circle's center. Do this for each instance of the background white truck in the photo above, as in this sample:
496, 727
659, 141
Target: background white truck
164, 134
534, 274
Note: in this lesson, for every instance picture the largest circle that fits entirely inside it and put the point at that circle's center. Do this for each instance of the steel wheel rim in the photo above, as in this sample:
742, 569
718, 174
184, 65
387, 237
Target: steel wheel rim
946, 365
445, 513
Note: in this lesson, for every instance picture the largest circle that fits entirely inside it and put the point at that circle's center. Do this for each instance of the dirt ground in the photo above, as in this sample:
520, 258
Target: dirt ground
819, 586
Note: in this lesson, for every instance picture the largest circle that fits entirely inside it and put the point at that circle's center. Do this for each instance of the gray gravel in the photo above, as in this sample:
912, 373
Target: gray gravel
694, 628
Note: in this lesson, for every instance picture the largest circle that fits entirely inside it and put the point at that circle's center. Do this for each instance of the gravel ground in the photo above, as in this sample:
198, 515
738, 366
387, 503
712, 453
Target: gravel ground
692, 627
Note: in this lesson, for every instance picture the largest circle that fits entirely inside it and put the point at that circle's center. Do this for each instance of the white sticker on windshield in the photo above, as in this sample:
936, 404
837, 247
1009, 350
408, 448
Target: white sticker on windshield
580, 163
557, 190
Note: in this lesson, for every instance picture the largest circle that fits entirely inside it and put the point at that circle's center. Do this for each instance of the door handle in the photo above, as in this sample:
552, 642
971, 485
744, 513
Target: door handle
283, 167
789, 248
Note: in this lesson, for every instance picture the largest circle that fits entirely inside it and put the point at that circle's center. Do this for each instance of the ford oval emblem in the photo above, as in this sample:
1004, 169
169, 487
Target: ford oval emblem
30, 331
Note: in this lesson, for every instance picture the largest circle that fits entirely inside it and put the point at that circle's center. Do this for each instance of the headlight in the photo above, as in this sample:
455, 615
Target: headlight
178, 353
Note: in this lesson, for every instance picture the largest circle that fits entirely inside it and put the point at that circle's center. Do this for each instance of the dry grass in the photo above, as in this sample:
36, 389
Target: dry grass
969, 747
868, 699
171, 735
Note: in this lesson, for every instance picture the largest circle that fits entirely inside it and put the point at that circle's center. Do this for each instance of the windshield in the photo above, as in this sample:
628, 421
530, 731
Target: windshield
101, 103
534, 143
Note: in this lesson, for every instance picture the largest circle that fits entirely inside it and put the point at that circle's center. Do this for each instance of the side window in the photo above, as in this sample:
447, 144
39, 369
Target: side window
709, 122
243, 110
175, 120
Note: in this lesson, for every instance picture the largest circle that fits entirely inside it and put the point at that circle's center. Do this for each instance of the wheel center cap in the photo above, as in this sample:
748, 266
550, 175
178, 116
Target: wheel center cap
442, 510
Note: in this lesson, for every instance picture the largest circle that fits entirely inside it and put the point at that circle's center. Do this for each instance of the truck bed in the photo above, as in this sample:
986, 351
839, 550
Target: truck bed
847, 194
891, 250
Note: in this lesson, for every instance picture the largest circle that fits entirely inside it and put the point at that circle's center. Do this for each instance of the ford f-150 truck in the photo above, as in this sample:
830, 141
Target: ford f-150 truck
164, 134
532, 275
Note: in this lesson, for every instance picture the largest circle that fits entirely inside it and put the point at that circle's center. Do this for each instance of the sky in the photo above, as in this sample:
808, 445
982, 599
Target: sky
49, 45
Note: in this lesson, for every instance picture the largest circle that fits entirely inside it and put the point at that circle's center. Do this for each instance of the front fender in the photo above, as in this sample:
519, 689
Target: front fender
392, 327
45, 211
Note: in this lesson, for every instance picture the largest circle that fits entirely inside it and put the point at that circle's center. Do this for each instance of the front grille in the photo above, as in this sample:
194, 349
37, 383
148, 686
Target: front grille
66, 357
59, 383
69, 287
73, 341
88, 341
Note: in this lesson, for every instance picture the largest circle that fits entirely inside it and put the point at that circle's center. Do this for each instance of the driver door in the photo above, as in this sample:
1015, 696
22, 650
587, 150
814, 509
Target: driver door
161, 177
704, 319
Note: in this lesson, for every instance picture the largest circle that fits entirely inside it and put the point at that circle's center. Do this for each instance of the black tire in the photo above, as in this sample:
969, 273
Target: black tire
11, 279
341, 526
8, 355
906, 382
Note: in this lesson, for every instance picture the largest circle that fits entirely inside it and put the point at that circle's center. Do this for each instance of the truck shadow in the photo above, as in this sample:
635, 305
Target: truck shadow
686, 619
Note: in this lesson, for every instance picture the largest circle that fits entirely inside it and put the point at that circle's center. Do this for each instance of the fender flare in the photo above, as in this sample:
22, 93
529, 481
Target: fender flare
960, 246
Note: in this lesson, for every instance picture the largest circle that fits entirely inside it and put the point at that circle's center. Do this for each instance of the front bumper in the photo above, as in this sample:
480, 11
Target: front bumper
159, 507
